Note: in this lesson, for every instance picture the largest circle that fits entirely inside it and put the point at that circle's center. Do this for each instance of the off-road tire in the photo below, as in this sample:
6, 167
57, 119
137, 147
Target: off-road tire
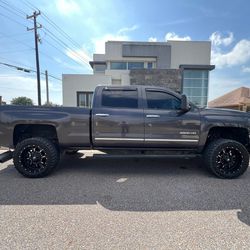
226, 159
33, 148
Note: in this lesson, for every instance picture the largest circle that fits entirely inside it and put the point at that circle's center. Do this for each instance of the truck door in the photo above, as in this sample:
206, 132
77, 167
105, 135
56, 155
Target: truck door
166, 125
118, 118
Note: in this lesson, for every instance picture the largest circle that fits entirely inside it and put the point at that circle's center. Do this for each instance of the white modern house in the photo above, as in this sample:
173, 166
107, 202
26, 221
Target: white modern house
180, 65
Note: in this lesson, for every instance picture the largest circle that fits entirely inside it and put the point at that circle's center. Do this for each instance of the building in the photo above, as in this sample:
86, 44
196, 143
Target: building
182, 66
238, 99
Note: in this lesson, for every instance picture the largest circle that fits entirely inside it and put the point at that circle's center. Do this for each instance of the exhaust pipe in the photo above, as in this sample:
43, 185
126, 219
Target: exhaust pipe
6, 156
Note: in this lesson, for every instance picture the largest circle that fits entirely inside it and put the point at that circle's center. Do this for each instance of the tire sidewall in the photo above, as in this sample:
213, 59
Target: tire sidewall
48, 147
220, 145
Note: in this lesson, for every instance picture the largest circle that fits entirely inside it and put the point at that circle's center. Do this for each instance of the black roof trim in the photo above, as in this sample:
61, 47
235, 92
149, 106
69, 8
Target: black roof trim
96, 62
197, 66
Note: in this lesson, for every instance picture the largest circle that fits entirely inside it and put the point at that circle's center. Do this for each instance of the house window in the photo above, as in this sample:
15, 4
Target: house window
135, 65
195, 86
99, 67
150, 65
118, 65
84, 99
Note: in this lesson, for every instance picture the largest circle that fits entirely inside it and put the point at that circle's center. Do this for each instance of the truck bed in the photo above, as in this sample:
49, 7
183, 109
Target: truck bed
72, 124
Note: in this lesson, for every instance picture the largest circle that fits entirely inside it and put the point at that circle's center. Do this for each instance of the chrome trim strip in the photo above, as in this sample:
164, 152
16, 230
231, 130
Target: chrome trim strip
152, 116
171, 140
146, 140
102, 115
119, 139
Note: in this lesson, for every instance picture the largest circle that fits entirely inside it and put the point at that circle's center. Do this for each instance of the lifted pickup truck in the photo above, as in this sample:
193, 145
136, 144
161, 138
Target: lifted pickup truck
138, 118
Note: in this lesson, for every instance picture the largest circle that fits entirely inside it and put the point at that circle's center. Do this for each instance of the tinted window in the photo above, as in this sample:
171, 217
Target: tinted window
162, 100
120, 98
118, 65
136, 65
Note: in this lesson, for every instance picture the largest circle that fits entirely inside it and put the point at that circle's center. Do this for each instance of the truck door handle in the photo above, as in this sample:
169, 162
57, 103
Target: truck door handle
152, 116
102, 115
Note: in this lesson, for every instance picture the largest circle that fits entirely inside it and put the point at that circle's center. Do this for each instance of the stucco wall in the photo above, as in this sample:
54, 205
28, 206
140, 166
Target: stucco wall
73, 83
189, 52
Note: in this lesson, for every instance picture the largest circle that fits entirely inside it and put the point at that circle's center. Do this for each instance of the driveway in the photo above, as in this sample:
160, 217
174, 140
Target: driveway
118, 202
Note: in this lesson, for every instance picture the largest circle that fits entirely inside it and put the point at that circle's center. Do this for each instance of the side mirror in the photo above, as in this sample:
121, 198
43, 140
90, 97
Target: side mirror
184, 103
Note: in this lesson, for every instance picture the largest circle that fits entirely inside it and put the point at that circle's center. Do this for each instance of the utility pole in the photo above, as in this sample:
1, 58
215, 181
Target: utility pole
47, 86
34, 16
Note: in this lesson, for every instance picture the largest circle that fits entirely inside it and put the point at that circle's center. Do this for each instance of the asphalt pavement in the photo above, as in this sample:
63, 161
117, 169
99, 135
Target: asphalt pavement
94, 202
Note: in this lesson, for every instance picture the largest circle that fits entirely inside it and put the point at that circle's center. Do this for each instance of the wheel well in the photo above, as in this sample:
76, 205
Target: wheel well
24, 131
237, 134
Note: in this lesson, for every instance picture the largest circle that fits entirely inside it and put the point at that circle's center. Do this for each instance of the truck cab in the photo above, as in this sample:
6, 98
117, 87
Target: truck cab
143, 117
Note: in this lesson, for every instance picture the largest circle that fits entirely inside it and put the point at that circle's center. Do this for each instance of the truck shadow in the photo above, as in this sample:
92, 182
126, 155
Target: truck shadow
129, 184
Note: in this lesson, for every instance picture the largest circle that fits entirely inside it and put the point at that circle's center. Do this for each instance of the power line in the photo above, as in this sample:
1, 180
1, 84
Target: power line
11, 11
76, 56
15, 51
13, 7
13, 35
1, 14
27, 70
14, 39
65, 46
61, 32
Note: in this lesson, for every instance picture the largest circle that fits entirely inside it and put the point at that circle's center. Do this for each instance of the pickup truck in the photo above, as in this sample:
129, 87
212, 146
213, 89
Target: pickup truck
142, 119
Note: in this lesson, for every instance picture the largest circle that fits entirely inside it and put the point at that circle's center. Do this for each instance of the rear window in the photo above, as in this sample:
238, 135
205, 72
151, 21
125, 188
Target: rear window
120, 98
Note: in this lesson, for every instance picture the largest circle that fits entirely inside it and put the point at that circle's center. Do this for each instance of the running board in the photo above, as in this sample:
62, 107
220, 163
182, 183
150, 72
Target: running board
6, 156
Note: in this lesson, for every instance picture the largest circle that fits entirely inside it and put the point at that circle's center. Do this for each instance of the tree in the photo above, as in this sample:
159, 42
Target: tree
51, 104
22, 100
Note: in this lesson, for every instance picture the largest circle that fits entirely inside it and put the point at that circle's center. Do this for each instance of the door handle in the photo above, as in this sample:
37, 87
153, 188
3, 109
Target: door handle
152, 116
102, 115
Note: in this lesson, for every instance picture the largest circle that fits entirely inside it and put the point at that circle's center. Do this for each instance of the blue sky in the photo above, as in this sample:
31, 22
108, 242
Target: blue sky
90, 23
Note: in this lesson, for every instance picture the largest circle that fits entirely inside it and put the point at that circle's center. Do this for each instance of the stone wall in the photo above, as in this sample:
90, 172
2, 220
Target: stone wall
169, 78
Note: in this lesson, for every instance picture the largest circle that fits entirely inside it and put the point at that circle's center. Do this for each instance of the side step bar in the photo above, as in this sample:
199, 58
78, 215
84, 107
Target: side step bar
6, 156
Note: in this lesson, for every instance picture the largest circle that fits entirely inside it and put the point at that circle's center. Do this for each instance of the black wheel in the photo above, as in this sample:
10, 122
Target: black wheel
35, 157
226, 158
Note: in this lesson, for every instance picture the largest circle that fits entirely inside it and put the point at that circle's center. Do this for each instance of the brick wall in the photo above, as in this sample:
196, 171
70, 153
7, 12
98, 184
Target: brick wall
169, 78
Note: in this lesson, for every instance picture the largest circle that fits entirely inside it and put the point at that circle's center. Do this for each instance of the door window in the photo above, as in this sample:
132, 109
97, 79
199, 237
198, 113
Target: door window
162, 100
120, 98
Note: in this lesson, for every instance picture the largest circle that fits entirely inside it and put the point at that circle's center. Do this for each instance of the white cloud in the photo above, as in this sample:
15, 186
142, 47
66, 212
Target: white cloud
240, 54
75, 68
67, 7
246, 69
120, 35
152, 39
174, 36
99, 43
79, 55
217, 39
220, 84
127, 29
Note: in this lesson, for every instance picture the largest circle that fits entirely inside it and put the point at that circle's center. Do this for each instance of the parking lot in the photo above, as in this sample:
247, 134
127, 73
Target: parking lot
120, 202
